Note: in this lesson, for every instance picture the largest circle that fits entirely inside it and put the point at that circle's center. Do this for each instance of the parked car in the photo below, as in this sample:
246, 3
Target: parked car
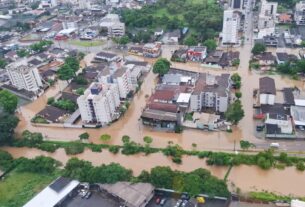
163, 201
301, 128
260, 128
179, 202
275, 145
185, 196
184, 203
88, 195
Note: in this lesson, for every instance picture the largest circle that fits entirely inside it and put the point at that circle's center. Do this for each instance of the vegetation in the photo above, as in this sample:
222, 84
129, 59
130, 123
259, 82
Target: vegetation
39, 120
238, 94
81, 80
105, 137
41, 46
8, 101
74, 148
22, 185
235, 112
258, 48
2, 63
8, 123
204, 18
246, 145
210, 44
236, 79
161, 66
65, 104
40, 164
292, 67
5, 160
80, 91
189, 116
267, 197
84, 136
124, 40
83, 43
68, 70
190, 41
235, 62
23, 53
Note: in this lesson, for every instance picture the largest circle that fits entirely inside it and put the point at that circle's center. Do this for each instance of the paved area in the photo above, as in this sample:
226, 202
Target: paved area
96, 200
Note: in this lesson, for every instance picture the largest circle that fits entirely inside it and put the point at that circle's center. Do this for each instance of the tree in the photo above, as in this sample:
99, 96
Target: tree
125, 139
148, 140
238, 95
40, 164
2, 63
105, 137
8, 123
258, 48
162, 177
161, 66
235, 112
77, 169
73, 63
235, 62
245, 144
300, 166
124, 40
8, 101
41, 46
190, 41
22, 53
236, 79
192, 184
84, 136
31, 139
210, 44
65, 72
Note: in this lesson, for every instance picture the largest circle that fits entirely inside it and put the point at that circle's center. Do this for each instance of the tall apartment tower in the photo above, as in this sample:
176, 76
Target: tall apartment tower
99, 104
24, 76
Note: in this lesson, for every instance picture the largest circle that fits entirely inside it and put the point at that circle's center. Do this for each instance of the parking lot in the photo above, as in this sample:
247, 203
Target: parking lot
171, 202
97, 199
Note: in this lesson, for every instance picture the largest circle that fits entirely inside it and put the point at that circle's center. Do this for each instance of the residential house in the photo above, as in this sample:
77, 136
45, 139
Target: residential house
280, 121
266, 60
152, 50
53, 114
136, 50
214, 57
172, 37
159, 32
283, 57
180, 55
285, 18
145, 66
197, 53
228, 59
267, 91
107, 57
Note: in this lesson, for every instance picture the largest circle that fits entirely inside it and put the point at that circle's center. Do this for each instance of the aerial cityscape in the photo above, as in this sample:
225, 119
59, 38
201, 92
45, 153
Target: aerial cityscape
147, 103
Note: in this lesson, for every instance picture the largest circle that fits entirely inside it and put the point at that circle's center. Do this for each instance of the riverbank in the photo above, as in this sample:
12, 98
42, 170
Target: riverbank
246, 178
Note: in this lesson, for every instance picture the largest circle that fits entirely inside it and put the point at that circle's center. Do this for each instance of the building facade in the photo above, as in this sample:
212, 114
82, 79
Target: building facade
299, 13
23, 76
99, 104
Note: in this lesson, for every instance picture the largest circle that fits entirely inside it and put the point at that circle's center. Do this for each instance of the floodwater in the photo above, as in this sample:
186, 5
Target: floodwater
247, 178
131, 125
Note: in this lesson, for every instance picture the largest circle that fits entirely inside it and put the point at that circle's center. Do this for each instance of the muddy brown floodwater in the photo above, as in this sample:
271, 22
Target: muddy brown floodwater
245, 177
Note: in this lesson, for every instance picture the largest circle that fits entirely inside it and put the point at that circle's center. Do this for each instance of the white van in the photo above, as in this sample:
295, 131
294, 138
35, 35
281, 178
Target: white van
275, 145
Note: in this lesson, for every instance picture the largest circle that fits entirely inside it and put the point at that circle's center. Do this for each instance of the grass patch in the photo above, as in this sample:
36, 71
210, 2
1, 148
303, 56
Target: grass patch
18, 188
87, 43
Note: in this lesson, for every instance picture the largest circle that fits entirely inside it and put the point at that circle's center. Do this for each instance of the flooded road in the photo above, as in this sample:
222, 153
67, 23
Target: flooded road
131, 125
247, 178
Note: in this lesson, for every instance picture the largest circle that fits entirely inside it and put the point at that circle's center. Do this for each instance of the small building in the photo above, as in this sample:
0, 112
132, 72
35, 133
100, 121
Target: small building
197, 53
53, 114
297, 203
283, 57
134, 194
266, 60
180, 55
282, 121
145, 66
298, 115
214, 58
152, 50
159, 32
285, 18
270, 40
136, 50
54, 194
107, 57
267, 91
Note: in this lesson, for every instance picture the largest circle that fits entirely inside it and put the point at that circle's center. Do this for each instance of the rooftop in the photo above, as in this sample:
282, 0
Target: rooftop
267, 85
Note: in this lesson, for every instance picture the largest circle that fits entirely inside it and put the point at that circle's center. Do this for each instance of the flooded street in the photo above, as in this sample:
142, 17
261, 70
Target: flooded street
247, 178
131, 125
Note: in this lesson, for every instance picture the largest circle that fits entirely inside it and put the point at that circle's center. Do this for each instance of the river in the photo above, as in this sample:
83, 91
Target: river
248, 178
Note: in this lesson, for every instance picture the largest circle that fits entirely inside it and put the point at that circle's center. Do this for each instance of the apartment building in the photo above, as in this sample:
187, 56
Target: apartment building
99, 104
22, 75
211, 92
299, 13
113, 24
231, 24
121, 77
267, 18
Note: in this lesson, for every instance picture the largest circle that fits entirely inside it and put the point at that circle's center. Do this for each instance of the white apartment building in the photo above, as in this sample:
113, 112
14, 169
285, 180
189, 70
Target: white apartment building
24, 76
267, 18
299, 13
231, 24
121, 77
115, 27
99, 104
